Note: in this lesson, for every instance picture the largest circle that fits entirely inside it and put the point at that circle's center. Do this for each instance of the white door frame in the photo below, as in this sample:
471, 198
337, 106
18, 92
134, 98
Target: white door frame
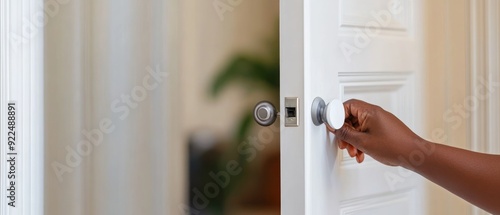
21, 65
484, 66
483, 73
293, 160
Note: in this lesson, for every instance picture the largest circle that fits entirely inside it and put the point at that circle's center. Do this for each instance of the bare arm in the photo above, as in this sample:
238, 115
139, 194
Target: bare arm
369, 129
473, 176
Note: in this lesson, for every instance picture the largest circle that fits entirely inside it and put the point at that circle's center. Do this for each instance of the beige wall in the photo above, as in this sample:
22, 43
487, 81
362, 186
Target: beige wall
446, 84
207, 42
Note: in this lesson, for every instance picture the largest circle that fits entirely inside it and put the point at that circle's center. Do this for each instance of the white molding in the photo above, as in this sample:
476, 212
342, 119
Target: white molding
354, 16
477, 69
493, 63
177, 183
483, 70
21, 66
398, 86
484, 40
363, 205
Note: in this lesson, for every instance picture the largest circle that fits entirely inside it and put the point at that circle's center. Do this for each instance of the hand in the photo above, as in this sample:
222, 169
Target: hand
372, 130
351, 150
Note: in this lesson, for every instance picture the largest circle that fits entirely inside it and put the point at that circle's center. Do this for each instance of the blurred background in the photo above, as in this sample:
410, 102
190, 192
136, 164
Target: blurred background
177, 81
229, 62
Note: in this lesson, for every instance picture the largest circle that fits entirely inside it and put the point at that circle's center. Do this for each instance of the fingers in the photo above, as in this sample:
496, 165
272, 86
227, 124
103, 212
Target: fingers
349, 135
342, 144
354, 108
350, 138
360, 157
352, 150
357, 113
329, 128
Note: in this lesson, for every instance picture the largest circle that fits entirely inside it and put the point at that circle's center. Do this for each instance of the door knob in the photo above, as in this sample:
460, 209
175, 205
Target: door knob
332, 113
265, 113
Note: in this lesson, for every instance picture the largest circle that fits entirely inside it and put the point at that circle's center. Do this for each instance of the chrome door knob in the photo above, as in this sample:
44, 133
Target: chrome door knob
264, 113
332, 113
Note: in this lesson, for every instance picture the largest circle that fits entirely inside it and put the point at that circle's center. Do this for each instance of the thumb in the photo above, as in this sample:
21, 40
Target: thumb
350, 135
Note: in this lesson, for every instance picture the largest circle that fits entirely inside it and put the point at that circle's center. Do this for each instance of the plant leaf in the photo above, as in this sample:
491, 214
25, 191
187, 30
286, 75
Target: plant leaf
244, 126
248, 70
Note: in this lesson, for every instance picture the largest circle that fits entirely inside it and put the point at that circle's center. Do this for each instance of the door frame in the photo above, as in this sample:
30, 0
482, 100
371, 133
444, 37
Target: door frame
292, 65
484, 56
21, 66
302, 65
483, 60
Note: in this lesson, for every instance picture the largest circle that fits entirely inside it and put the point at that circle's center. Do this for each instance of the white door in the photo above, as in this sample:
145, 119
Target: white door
364, 49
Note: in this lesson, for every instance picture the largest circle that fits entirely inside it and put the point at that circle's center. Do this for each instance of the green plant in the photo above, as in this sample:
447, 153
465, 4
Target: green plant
256, 73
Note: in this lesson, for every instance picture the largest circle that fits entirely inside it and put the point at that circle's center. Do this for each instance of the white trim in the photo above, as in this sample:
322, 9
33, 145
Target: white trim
21, 78
484, 40
493, 63
177, 176
477, 69
483, 70
293, 54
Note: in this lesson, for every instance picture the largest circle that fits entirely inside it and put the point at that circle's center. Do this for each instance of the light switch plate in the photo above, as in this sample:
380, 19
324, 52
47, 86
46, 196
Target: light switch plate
291, 112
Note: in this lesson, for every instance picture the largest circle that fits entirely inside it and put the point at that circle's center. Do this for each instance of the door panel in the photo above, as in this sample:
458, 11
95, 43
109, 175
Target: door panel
382, 204
393, 91
327, 50
357, 13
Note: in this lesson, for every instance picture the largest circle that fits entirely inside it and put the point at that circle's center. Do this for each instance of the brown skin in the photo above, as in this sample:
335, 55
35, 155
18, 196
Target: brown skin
370, 129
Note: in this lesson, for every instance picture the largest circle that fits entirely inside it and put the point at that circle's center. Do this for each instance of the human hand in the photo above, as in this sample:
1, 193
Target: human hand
372, 130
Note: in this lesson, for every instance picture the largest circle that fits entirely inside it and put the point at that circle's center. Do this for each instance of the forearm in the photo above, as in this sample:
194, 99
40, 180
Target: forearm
473, 176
